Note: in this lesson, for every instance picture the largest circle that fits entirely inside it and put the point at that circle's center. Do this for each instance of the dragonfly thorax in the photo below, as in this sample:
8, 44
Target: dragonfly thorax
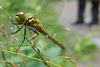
32, 21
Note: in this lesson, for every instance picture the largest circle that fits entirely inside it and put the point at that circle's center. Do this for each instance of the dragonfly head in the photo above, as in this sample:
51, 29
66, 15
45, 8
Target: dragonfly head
20, 17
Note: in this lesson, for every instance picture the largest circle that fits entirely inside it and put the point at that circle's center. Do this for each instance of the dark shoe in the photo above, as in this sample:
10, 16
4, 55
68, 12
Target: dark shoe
92, 23
77, 23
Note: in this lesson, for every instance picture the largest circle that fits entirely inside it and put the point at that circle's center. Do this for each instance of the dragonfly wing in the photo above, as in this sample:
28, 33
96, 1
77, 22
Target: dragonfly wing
48, 17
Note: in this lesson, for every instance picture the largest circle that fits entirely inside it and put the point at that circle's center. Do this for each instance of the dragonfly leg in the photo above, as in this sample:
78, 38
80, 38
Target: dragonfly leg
33, 30
16, 31
23, 40
46, 36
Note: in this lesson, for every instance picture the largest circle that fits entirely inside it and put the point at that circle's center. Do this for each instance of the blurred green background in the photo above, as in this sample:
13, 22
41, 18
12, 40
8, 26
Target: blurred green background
78, 48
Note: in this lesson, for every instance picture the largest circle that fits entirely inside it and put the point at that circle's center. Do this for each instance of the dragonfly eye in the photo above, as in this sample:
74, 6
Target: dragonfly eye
20, 14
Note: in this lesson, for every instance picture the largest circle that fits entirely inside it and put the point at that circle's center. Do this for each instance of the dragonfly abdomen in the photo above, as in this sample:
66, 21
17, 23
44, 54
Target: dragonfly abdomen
34, 23
44, 32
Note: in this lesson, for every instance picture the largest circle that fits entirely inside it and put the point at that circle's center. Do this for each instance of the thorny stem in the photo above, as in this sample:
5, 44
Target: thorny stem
3, 56
7, 15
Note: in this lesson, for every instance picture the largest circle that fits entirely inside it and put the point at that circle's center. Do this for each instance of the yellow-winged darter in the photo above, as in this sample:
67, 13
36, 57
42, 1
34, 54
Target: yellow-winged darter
34, 25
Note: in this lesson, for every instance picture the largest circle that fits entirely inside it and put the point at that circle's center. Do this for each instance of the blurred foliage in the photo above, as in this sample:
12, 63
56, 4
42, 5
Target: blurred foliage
15, 5
85, 48
44, 10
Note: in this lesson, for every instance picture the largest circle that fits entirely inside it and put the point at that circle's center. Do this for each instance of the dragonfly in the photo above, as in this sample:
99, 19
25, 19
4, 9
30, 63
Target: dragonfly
32, 23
